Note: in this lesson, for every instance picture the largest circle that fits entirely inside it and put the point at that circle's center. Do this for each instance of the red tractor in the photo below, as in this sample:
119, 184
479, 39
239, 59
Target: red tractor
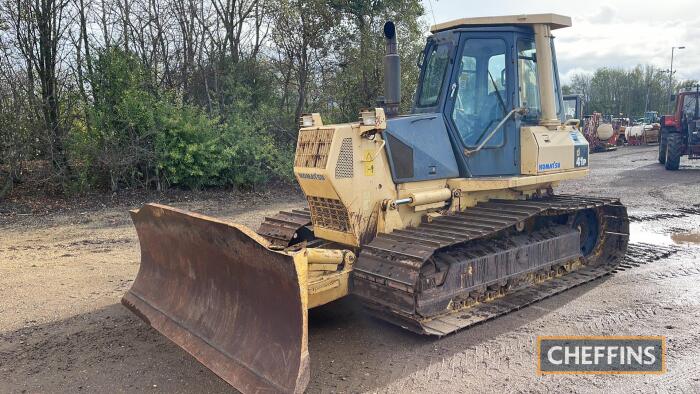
680, 132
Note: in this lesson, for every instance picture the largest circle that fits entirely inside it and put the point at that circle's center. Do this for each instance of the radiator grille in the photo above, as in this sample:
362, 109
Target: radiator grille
343, 168
329, 213
312, 148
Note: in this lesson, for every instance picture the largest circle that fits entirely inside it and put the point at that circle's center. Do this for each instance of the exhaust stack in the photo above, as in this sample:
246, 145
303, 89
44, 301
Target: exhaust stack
392, 71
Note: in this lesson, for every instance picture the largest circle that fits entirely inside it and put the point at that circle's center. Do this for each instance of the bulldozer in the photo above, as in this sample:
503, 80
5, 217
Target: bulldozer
435, 221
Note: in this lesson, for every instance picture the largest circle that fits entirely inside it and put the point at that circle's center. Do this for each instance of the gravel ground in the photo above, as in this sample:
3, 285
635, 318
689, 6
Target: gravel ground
62, 328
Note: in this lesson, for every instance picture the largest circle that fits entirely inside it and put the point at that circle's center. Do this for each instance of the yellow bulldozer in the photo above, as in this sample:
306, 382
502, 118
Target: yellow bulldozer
435, 221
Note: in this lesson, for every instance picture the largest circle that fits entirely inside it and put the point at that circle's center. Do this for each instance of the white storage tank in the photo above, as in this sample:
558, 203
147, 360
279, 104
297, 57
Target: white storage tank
605, 131
636, 131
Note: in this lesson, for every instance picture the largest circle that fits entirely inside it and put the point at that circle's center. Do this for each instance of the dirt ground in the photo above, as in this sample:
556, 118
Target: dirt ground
63, 329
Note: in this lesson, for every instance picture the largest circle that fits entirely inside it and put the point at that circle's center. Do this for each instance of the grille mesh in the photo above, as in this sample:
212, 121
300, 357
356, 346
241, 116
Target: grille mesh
343, 168
312, 148
329, 213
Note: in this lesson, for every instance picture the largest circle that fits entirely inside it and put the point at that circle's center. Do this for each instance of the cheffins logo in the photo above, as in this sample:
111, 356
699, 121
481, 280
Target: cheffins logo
601, 355
549, 166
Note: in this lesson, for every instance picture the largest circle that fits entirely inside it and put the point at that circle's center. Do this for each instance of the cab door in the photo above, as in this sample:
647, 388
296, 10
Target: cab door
480, 95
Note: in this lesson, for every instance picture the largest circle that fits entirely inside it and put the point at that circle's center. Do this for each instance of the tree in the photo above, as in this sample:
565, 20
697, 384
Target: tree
39, 27
618, 91
93, 90
359, 46
302, 34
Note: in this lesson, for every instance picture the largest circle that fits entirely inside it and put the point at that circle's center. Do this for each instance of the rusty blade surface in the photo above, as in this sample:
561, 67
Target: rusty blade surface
217, 291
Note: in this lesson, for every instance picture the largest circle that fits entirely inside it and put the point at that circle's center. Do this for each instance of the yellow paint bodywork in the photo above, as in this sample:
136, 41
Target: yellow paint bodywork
362, 185
301, 265
362, 192
553, 20
351, 193
539, 145
323, 290
324, 273
328, 274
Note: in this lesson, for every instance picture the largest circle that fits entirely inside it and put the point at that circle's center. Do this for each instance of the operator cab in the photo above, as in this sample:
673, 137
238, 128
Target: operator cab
484, 78
689, 108
686, 109
573, 107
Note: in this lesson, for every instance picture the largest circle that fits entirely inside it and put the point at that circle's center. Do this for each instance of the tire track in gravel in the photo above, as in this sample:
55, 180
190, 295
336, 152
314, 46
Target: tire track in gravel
509, 355
681, 264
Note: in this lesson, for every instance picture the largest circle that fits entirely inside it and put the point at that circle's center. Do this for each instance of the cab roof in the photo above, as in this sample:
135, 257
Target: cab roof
554, 21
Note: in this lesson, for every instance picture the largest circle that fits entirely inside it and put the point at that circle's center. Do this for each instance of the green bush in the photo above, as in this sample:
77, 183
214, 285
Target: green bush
251, 155
135, 136
81, 153
194, 151
124, 119
189, 148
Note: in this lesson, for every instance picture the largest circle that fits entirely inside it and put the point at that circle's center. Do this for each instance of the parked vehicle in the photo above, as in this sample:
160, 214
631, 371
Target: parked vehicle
644, 131
680, 131
600, 133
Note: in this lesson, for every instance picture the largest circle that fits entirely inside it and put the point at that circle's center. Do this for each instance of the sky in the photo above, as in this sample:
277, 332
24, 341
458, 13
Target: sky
614, 33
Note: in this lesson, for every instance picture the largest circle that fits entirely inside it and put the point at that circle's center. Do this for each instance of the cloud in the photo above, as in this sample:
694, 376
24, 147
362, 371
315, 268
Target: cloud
566, 77
622, 35
625, 44
605, 14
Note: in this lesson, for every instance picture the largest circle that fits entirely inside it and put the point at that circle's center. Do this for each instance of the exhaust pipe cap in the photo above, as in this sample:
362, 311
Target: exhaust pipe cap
389, 30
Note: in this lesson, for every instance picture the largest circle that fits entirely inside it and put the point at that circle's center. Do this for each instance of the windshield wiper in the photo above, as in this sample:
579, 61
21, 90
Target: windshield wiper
498, 93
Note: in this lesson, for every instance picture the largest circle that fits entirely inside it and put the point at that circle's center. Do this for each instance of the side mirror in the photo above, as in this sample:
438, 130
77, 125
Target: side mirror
503, 77
672, 98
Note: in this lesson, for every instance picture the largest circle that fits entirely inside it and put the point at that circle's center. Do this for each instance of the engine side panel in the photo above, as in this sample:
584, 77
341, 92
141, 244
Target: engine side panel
345, 177
547, 151
419, 149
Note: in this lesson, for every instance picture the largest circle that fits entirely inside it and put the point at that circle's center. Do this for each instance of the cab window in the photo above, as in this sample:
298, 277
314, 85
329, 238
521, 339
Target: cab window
527, 76
570, 109
435, 68
555, 81
689, 106
480, 100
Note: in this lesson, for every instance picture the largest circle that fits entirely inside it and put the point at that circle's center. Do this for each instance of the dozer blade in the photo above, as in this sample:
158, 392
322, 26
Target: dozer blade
217, 291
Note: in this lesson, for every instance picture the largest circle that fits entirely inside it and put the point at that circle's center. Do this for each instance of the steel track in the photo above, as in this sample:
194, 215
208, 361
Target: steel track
286, 227
391, 264
388, 278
